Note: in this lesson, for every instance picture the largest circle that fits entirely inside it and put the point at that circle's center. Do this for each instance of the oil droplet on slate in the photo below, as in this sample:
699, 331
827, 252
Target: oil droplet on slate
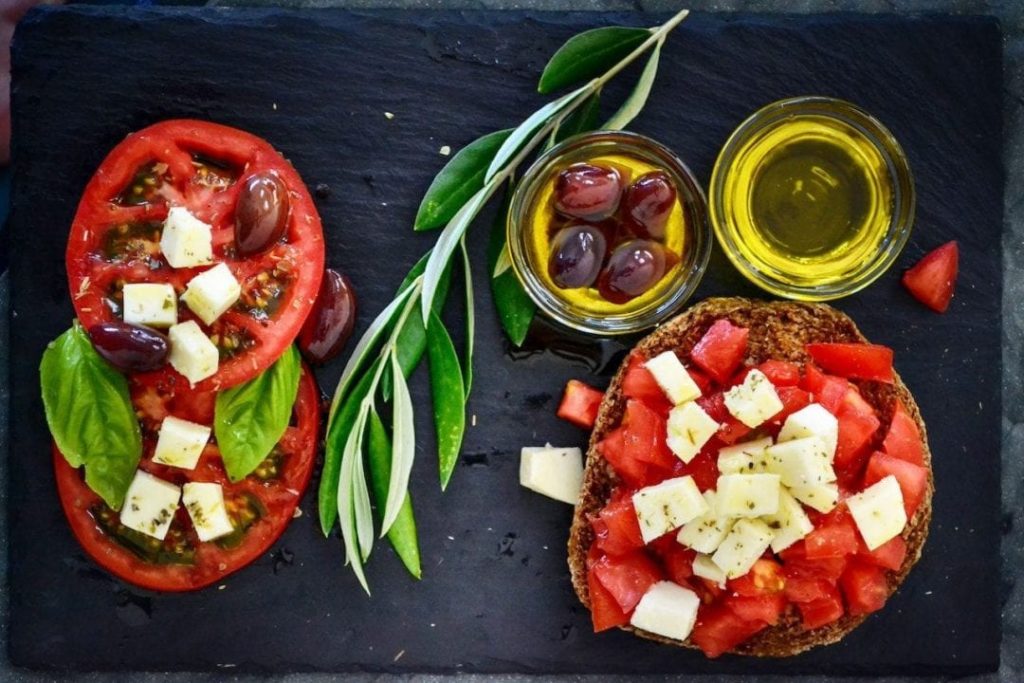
133, 610
282, 558
507, 545
323, 190
601, 356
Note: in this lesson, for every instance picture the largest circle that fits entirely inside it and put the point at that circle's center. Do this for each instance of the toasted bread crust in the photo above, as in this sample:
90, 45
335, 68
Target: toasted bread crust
778, 330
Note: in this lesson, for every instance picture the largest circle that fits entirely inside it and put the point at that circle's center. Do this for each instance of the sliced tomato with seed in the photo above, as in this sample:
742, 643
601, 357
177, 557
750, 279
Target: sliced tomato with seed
201, 166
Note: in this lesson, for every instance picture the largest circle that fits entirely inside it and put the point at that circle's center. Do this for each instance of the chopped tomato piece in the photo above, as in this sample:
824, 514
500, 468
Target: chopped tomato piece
702, 381
813, 378
834, 536
865, 587
781, 373
720, 351
580, 403
889, 555
822, 611
764, 578
933, 279
627, 577
857, 425
913, 479
644, 438
638, 383
676, 560
731, 429
616, 528
613, 449
828, 390
604, 610
797, 564
859, 361
704, 466
903, 440
719, 630
801, 588
758, 608
793, 399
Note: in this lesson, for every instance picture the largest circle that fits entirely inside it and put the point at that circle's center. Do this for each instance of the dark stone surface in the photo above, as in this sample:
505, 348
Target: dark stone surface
329, 120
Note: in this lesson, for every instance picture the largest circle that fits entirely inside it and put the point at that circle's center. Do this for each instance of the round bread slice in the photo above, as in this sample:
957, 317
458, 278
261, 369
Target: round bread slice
778, 330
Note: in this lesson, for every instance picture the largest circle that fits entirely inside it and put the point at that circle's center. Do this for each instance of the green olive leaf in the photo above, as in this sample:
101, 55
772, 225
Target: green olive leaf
582, 120
402, 534
515, 307
90, 414
403, 450
588, 55
467, 365
449, 396
634, 104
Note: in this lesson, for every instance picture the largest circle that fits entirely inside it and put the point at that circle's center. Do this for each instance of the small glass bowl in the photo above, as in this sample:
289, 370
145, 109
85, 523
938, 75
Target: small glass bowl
696, 239
897, 177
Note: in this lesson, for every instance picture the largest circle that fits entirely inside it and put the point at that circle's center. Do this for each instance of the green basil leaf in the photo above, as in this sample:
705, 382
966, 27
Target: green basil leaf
402, 534
638, 97
582, 120
90, 414
449, 397
515, 307
251, 418
588, 55
459, 180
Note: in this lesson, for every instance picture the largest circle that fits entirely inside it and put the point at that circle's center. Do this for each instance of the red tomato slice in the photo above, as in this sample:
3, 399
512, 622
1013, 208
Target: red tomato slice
781, 373
933, 279
889, 555
617, 531
865, 587
903, 439
834, 536
580, 403
731, 429
261, 505
801, 588
631, 471
638, 383
201, 166
760, 608
675, 559
796, 564
704, 466
644, 439
719, 629
822, 611
857, 425
627, 577
793, 399
764, 578
604, 610
859, 361
721, 350
913, 479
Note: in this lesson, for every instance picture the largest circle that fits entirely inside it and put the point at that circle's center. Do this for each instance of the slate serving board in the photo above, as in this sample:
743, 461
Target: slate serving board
496, 595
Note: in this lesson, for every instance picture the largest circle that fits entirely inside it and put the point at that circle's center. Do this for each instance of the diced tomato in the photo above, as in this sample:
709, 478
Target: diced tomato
802, 588
813, 378
834, 536
933, 279
676, 560
865, 587
764, 578
859, 361
731, 430
793, 399
889, 555
704, 466
580, 403
903, 440
781, 373
632, 471
719, 630
644, 438
604, 610
616, 528
702, 381
797, 564
766, 608
638, 383
720, 351
627, 577
857, 424
822, 611
913, 479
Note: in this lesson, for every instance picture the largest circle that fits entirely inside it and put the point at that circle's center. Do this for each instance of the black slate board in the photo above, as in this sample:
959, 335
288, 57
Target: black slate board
496, 595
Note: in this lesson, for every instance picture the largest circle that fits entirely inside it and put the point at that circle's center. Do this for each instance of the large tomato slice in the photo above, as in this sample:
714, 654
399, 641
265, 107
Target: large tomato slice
261, 505
115, 237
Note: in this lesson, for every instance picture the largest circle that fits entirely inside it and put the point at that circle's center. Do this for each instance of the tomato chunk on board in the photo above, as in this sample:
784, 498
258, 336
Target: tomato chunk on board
933, 279
858, 361
720, 351
913, 479
865, 587
903, 440
580, 403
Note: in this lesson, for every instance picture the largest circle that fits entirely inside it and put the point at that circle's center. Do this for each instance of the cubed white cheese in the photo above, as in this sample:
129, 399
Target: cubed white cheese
748, 495
705, 533
667, 506
878, 511
821, 497
212, 292
753, 401
801, 462
668, 610
150, 303
705, 567
743, 546
149, 505
744, 458
812, 420
673, 378
186, 241
205, 504
790, 523
192, 352
689, 428
180, 443
553, 472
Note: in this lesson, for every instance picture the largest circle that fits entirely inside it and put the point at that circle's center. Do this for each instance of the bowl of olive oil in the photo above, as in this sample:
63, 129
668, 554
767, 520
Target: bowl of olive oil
812, 198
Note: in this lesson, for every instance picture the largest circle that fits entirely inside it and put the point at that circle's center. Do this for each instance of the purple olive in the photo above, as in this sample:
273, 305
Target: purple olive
588, 192
128, 347
576, 256
330, 323
261, 213
648, 203
633, 268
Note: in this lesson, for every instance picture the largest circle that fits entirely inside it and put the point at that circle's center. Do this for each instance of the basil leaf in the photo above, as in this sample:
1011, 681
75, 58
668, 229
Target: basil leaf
515, 307
251, 418
449, 397
582, 120
402, 534
90, 414
588, 55
459, 180
638, 97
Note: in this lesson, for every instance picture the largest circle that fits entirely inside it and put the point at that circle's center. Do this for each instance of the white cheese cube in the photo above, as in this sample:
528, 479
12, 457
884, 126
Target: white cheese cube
801, 462
186, 241
812, 420
705, 533
180, 443
668, 610
743, 546
753, 401
150, 303
705, 568
667, 506
878, 511
149, 505
821, 497
553, 472
744, 458
748, 495
790, 523
689, 428
673, 378
205, 504
192, 352
212, 292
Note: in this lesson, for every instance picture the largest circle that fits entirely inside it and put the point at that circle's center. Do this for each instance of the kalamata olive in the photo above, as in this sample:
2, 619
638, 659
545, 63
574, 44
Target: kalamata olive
648, 203
633, 268
261, 213
577, 253
588, 192
128, 347
330, 323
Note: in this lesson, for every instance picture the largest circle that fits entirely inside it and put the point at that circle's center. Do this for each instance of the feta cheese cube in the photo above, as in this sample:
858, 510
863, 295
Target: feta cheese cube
744, 458
673, 378
753, 401
705, 533
205, 504
812, 420
186, 241
878, 511
801, 462
212, 292
705, 568
790, 523
668, 610
821, 497
553, 472
149, 505
689, 428
152, 304
748, 495
667, 506
192, 352
739, 551
180, 443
